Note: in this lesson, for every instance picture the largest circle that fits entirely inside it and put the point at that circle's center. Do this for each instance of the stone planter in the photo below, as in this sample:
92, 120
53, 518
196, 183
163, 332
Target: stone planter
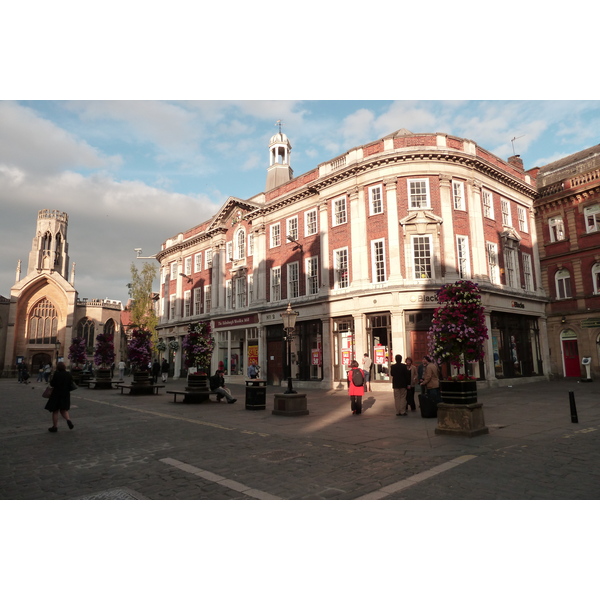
458, 392
142, 383
460, 419
290, 405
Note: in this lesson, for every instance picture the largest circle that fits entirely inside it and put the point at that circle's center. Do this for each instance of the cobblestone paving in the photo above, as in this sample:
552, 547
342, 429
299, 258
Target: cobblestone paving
119, 444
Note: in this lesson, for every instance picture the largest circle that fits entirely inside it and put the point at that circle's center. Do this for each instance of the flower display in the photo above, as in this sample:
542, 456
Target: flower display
458, 329
77, 351
161, 346
174, 345
198, 346
104, 354
139, 349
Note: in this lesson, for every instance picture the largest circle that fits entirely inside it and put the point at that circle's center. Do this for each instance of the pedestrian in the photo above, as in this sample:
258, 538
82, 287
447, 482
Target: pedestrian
421, 374
47, 371
431, 379
25, 376
400, 383
20, 373
253, 370
164, 370
155, 371
112, 370
217, 384
60, 398
121, 370
414, 380
356, 387
367, 362
40, 376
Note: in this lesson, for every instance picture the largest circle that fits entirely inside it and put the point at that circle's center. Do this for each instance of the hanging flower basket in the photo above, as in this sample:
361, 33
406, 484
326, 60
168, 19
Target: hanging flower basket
174, 345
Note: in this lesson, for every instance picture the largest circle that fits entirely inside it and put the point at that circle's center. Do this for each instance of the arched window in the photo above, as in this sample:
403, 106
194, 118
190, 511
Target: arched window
240, 245
87, 330
563, 284
43, 323
109, 327
596, 278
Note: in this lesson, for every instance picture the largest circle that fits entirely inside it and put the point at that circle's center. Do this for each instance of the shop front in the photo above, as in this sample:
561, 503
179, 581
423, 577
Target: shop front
237, 344
343, 346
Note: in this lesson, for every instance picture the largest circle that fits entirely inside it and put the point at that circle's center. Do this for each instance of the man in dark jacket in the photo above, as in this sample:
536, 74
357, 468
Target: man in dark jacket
217, 384
400, 383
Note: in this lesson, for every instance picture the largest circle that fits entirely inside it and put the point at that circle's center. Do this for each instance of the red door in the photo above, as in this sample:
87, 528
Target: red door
418, 346
571, 354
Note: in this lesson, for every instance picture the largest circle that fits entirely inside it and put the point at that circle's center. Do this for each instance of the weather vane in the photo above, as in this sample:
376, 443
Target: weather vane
279, 123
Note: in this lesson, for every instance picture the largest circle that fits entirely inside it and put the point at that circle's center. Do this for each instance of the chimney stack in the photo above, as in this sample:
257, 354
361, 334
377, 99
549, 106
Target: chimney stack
516, 162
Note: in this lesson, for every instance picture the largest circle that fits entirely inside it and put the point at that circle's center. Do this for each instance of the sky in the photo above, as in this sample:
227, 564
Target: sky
132, 173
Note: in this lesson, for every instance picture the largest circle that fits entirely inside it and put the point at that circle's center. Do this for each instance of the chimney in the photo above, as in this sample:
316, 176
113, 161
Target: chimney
516, 162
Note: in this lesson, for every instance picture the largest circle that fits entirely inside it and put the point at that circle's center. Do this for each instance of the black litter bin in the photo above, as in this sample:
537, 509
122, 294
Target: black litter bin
256, 394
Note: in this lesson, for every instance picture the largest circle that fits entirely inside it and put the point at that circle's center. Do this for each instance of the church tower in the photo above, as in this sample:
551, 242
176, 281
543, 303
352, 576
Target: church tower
279, 170
49, 250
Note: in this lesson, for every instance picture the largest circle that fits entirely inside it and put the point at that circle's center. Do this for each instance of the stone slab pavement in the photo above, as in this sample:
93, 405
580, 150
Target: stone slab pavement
147, 447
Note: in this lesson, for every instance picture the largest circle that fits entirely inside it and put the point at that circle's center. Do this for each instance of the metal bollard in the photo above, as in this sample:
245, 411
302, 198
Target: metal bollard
574, 418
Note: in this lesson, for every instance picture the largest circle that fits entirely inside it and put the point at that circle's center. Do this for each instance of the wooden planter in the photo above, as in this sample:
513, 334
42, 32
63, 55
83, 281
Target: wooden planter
197, 388
458, 392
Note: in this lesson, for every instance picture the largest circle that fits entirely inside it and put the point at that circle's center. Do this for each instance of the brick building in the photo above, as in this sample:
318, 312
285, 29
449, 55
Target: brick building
568, 225
359, 246
44, 312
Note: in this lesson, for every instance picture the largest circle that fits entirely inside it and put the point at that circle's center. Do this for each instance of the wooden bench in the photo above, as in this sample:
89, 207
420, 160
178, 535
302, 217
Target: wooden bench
185, 394
155, 387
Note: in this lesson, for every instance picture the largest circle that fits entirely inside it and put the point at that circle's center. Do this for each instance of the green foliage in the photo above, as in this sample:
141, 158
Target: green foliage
142, 306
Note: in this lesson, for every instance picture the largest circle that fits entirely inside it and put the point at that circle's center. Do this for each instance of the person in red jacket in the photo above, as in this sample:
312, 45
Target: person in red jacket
356, 391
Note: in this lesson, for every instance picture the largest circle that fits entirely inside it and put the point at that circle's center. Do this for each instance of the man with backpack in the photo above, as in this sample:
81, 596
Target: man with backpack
356, 387
401, 381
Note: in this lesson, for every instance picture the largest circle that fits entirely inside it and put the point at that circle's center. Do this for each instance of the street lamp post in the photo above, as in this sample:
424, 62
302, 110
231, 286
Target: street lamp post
289, 326
57, 347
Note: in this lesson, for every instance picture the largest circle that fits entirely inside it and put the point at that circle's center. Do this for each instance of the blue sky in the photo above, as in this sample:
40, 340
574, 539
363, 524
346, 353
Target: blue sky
133, 173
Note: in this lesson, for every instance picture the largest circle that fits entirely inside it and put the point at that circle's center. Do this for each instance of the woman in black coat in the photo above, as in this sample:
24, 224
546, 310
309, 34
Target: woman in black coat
60, 398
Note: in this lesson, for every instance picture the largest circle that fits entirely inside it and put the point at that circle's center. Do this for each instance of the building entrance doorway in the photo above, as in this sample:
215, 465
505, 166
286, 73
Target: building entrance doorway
570, 353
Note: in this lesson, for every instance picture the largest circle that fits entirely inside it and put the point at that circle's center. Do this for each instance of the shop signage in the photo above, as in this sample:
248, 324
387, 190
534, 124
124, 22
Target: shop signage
236, 321
380, 356
316, 357
346, 358
424, 298
590, 323
518, 305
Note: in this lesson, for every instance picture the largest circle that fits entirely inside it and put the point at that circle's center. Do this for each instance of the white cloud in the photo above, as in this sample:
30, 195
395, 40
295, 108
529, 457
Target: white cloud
36, 144
357, 128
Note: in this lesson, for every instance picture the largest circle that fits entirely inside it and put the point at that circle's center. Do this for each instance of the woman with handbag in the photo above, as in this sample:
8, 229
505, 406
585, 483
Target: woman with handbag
60, 397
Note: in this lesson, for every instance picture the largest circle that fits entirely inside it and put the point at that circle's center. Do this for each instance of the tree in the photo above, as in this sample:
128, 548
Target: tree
142, 305
458, 327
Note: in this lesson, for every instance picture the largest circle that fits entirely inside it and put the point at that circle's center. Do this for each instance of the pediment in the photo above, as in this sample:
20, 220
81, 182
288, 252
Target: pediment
232, 212
421, 220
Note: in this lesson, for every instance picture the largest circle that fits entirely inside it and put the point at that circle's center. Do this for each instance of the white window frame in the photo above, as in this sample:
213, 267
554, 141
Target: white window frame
511, 268
506, 215
522, 218
527, 272
187, 303
308, 221
341, 272
591, 214
312, 275
228, 251
458, 195
487, 202
415, 202
463, 262
241, 292
173, 270
239, 249
596, 277
292, 229
229, 297
378, 261
562, 281
376, 200
208, 258
198, 262
422, 264
250, 244
172, 306
275, 235
293, 280
491, 251
207, 297
275, 285
250, 288
197, 301
557, 229
187, 269
339, 211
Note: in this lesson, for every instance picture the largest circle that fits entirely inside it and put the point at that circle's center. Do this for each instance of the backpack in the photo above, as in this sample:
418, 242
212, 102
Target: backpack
358, 379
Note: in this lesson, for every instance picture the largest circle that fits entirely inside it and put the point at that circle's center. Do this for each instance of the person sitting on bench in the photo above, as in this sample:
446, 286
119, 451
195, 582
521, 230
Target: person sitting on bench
217, 384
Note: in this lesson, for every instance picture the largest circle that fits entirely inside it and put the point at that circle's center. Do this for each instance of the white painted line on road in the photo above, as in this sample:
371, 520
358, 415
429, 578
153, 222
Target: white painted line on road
220, 480
388, 490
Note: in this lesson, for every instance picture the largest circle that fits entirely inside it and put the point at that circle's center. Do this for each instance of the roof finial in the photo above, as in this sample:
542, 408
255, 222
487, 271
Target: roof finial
278, 122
